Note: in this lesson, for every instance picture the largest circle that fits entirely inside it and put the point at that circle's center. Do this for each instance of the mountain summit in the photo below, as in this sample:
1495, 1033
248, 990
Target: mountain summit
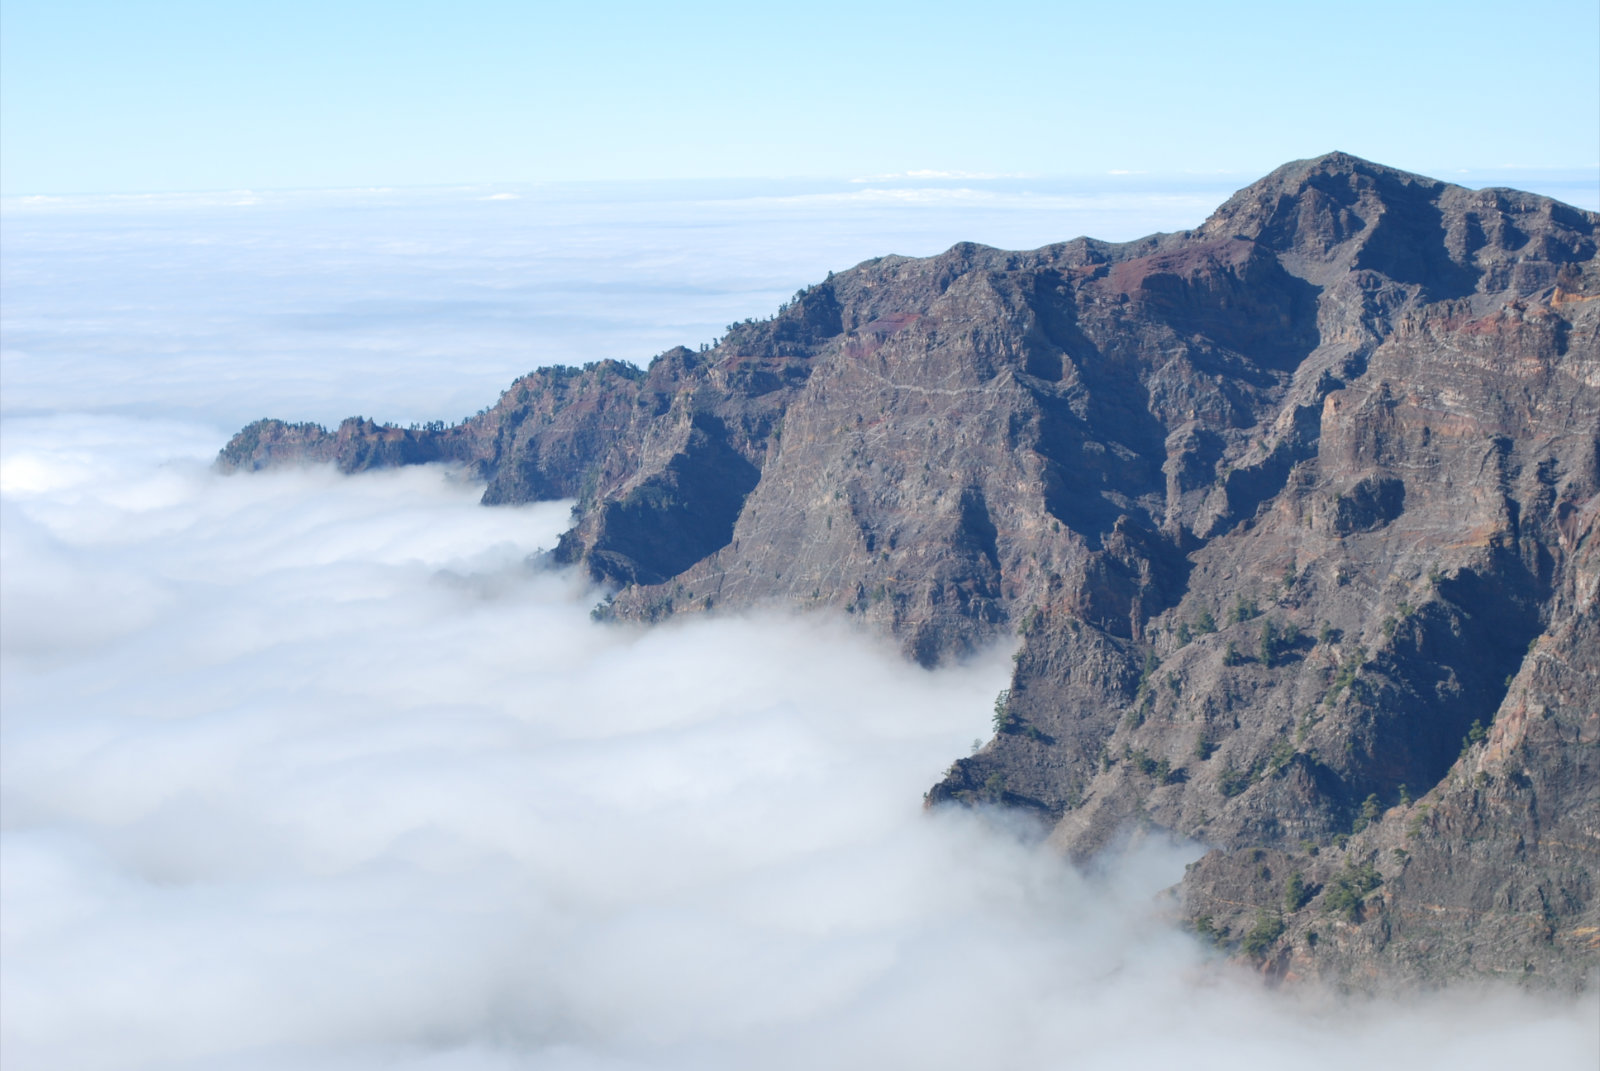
1296, 514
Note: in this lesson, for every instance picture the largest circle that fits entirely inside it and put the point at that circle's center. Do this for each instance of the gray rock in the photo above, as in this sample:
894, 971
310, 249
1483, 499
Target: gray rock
1296, 515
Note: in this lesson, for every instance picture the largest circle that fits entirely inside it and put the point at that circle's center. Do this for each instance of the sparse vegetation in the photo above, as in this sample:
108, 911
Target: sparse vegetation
1371, 808
1346, 674
1151, 664
1158, 769
1243, 610
1273, 643
1004, 720
1263, 935
1232, 781
1349, 887
1281, 755
1296, 894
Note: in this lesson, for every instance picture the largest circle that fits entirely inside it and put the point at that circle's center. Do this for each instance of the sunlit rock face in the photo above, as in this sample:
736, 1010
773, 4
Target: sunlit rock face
1295, 514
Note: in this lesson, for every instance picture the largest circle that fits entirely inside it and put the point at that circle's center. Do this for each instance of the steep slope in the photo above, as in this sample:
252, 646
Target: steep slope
1295, 514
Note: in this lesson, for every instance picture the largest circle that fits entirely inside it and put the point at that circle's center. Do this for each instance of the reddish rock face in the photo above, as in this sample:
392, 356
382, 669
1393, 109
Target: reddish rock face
1296, 515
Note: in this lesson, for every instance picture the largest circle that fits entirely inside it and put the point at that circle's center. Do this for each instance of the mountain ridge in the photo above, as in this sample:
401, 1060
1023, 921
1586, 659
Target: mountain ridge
1295, 512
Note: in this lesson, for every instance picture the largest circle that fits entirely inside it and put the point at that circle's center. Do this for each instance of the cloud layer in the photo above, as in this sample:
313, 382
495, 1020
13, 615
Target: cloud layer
305, 771
302, 770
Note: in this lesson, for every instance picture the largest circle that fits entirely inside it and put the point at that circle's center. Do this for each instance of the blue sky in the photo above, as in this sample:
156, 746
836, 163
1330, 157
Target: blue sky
137, 96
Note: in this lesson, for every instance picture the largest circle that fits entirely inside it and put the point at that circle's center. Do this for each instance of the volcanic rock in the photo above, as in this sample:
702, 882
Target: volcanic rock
1296, 515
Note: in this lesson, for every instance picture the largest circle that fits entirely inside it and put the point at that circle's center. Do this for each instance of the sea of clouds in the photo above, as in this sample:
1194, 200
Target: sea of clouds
310, 771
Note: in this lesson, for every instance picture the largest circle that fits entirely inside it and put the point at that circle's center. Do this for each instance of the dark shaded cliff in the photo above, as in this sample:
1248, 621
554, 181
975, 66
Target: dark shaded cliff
1295, 513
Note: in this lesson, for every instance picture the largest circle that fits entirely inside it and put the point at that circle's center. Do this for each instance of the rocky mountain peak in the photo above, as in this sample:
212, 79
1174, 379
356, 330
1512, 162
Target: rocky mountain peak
1292, 515
1337, 215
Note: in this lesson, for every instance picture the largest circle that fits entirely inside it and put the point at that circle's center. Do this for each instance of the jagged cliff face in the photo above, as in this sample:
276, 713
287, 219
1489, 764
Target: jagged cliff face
1296, 514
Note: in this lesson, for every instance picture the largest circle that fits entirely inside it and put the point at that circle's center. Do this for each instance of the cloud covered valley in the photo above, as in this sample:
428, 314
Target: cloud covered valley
324, 772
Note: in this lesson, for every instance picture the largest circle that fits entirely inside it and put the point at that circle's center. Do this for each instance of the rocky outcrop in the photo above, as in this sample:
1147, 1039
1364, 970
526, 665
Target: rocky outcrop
1294, 514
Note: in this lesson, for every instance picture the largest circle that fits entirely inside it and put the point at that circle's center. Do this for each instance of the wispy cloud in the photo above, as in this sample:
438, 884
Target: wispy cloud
929, 174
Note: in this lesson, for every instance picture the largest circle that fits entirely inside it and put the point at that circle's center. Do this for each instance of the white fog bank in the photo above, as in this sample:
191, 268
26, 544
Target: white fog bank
313, 772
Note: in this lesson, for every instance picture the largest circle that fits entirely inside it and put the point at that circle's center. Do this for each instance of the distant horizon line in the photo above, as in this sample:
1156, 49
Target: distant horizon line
937, 177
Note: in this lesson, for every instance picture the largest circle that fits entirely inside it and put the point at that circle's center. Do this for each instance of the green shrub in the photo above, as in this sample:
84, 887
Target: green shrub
1269, 643
1263, 935
1295, 892
1243, 610
1371, 808
1349, 887
1004, 720
1346, 675
1281, 755
1151, 664
1231, 781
